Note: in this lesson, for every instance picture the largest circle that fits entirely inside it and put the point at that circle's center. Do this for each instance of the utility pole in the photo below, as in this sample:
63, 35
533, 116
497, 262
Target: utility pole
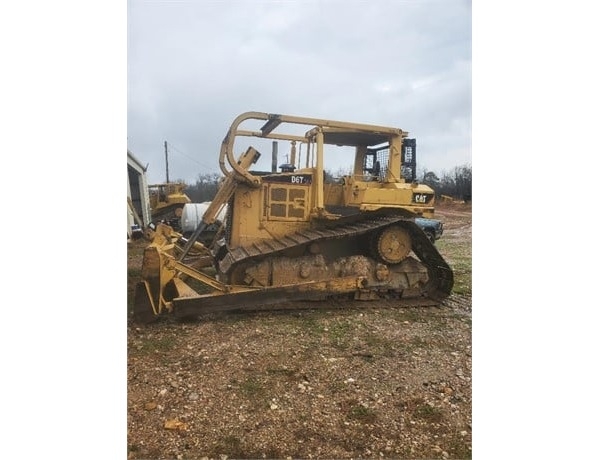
167, 161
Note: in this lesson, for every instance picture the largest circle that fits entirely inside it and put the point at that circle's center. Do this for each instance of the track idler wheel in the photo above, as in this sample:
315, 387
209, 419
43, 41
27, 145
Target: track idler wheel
393, 244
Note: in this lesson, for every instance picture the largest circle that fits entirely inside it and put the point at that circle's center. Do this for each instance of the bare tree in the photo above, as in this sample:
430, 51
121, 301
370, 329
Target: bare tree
204, 189
456, 184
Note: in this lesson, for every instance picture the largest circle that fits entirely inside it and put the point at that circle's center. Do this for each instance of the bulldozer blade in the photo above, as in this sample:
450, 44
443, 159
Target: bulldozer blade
276, 298
250, 299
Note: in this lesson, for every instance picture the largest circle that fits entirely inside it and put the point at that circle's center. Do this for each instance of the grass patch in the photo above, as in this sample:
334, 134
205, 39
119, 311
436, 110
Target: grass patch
459, 447
157, 344
417, 343
338, 334
428, 413
459, 257
462, 278
289, 373
362, 414
252, 388
438, 323
310, 324
414, 315
231, 446
379, 345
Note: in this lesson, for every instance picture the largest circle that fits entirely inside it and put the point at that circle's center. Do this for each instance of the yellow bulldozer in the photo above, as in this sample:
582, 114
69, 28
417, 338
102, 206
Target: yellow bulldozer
293, 234
167, 201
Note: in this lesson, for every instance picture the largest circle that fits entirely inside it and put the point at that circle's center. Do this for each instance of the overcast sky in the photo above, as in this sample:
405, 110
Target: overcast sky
194, 66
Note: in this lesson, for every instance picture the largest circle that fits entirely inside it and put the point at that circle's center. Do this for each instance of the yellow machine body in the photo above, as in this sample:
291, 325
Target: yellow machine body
295, 234
167, 200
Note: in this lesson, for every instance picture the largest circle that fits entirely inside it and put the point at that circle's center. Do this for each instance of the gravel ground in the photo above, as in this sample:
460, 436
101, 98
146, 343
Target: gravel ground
328, 381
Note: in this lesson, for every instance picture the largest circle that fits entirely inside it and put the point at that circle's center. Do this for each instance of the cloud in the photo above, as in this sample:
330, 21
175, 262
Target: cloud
194, 66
